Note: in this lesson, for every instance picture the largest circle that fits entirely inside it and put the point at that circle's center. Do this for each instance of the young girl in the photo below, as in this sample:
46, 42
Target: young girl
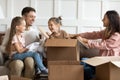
16, 44
54, 25
110, 44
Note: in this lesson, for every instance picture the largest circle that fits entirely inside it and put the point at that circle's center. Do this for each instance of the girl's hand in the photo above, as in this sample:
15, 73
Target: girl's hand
26, 49
48, 33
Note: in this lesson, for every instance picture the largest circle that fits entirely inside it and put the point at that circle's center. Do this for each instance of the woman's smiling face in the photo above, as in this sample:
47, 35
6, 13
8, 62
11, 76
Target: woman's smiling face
105, 21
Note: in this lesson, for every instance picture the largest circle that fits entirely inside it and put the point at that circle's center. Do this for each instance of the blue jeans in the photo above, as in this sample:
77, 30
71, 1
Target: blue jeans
37, 57
89, 71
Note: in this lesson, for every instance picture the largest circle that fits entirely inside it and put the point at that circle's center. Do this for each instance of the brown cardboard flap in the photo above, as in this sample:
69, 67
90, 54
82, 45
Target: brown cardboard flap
116, 63
64, 62
60, 43
96, 61
66, 72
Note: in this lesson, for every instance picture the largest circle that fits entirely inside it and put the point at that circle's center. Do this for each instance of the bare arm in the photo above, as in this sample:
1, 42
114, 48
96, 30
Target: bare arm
19, 48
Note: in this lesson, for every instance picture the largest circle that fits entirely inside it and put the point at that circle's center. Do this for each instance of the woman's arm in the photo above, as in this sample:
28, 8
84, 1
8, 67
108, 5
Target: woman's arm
89, 35
107, 44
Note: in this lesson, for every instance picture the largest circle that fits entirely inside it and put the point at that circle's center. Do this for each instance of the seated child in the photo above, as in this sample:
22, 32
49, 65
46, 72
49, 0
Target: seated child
54, 25
16, 44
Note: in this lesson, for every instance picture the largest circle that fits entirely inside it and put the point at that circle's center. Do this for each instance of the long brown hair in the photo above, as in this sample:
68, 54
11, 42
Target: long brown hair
16, 21
114, 23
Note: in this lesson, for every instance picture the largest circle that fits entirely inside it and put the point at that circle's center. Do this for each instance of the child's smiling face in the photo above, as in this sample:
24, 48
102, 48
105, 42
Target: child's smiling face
53, 27
21, 27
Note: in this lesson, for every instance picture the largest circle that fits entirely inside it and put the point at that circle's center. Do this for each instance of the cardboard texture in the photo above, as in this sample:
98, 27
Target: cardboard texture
62, 49
63, 63
18, 78
107, 68
65, 70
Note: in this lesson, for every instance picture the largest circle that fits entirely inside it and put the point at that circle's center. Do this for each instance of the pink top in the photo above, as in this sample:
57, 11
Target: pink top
18, 39
108, 47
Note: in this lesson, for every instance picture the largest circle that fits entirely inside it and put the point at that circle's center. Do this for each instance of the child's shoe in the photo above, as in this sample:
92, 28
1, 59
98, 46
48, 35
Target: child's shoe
44, 71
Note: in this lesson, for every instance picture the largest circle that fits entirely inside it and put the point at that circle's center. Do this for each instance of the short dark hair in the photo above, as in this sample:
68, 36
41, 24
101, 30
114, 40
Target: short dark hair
27, 10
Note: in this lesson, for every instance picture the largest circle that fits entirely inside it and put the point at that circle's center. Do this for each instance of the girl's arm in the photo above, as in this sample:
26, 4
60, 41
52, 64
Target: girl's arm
19, 48
19, 44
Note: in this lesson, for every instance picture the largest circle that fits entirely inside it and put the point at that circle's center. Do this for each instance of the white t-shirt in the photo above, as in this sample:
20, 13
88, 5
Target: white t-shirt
32, 35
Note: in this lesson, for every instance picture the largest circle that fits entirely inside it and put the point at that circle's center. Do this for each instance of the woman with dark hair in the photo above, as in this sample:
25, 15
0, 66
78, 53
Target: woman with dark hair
110, 40
110, 36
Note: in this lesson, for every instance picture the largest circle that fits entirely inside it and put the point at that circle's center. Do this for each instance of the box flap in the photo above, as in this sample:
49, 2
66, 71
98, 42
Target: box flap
96, 61
60, 43
116, 63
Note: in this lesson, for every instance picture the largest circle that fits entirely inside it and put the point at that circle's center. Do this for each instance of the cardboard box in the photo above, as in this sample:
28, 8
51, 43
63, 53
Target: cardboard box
13, 77
62, 49
63, 63
107, 68
65, 70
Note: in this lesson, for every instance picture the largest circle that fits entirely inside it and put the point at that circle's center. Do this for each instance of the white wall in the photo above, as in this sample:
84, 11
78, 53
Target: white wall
78, 15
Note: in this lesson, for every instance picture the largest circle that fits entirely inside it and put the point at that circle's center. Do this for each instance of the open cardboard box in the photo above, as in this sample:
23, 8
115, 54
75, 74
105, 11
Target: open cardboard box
65, 70
107, 68
62, 49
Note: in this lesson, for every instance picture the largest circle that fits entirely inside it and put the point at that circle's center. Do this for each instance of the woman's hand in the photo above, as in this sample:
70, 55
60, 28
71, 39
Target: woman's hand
74, 36
84, 40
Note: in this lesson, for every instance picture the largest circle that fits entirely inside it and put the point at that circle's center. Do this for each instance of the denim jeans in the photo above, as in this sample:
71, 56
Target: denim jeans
89, 71
37, 57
